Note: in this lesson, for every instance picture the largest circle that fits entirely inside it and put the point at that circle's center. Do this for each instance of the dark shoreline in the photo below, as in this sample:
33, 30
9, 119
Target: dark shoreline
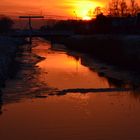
9, 47
118, 61
25, 82
119, 50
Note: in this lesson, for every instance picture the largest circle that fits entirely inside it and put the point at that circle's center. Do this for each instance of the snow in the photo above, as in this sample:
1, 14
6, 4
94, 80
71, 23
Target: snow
8, 49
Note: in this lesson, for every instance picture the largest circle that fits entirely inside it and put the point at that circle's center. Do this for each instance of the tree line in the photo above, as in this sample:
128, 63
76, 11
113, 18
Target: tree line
6, 23
120, 8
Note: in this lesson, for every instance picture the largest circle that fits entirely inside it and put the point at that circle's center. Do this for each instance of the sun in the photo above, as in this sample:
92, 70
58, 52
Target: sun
84, 9
86, 18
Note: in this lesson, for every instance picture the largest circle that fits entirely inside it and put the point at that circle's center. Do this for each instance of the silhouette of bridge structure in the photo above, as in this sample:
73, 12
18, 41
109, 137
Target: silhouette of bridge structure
30, 32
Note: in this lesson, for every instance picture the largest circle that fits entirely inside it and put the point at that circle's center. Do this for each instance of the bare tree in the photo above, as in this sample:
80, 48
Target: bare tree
134, 7
114, 8
120, 8
97, 11
123, 8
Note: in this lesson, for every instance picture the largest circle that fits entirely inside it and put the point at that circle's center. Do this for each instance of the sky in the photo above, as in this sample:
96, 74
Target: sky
51, 8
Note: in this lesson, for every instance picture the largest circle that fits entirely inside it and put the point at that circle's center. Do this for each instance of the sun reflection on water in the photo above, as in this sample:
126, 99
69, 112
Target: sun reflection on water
63, 71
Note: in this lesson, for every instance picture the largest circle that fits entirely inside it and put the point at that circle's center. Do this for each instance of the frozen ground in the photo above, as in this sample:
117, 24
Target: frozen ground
8, 49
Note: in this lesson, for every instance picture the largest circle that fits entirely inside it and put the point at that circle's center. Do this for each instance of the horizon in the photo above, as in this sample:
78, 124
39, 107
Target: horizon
62, 9
51, 9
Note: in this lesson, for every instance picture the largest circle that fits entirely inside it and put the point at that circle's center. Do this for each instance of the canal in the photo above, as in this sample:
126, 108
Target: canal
31, 109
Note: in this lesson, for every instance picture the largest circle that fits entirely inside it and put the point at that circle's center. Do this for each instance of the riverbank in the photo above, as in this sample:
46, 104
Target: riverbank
33, 102
8, 49
120, 50
113, 57
26, 83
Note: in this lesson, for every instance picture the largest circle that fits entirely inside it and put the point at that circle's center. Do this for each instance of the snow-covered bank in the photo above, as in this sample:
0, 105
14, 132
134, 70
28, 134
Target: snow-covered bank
130, 43
8, 49
121, 50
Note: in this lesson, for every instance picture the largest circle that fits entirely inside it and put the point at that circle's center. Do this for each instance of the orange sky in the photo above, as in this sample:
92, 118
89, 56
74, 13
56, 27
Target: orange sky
62, 8
66, 8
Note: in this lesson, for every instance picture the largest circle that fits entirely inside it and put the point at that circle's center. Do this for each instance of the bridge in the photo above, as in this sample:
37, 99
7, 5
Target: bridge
38, 33
30, 32
51, 35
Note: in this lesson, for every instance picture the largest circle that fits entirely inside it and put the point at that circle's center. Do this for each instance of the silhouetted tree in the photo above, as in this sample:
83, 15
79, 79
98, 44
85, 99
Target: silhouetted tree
134, 8
120, 8
114, 8
97, 11
102, 24
6, 24
123, 8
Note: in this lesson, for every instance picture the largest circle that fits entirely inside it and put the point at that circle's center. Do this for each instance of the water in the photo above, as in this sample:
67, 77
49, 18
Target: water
74, 116
62, 71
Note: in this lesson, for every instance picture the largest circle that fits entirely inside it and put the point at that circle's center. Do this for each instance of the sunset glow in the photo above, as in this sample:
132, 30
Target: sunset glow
81, 9
62, 9
85, 9
87, 18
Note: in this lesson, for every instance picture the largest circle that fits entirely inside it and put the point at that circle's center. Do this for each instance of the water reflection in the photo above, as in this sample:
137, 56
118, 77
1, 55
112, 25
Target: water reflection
62, 71
59, 71
73, 116
71, 70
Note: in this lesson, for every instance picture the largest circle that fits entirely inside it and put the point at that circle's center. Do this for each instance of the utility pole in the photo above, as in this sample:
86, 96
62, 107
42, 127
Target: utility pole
30, 24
